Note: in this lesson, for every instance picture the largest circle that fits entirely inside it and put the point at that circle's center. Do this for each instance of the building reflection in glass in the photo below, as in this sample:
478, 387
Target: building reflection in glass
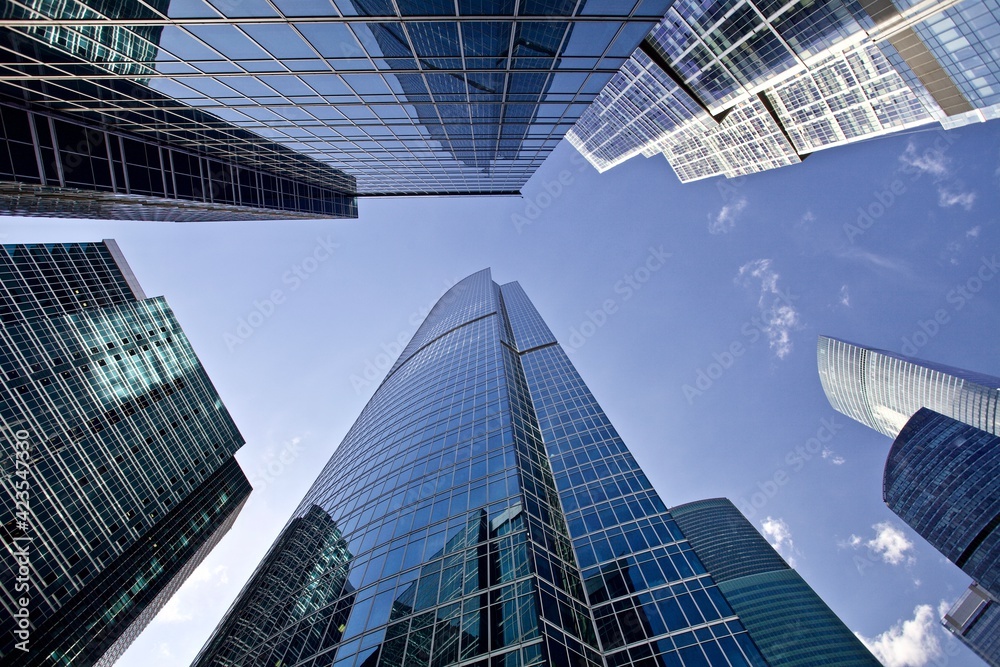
302, 583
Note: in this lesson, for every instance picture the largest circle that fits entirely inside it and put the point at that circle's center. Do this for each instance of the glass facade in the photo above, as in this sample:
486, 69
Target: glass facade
85, 135
941, 479
883, 389
117, 441
790, 624
749, 139
975, 620
732, 88
964, 39
362, 97
483, 512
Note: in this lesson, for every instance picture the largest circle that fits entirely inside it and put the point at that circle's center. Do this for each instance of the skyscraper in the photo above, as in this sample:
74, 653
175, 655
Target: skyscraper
489, 514
87, 136
883, 389
942, 477
942, 474
118, 474
975, 620
735, 88
253, 108
787, 620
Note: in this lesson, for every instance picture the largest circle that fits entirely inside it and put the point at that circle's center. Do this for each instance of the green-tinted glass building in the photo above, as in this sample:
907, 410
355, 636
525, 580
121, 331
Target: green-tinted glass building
790, 624
117, 471
491, 516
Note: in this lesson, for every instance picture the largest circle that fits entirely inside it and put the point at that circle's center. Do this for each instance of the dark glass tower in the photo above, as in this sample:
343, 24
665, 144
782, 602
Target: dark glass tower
87, 135
258, 108
791, 625
491, 516
942, 475
118, 474
942, 478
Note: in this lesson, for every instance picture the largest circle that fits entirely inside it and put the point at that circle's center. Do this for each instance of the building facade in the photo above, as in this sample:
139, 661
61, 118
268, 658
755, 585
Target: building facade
118, 473
489, 514
788, 621
941, 474
883, 389
253, 108
975, 620
942, 477
86, 136
736, 88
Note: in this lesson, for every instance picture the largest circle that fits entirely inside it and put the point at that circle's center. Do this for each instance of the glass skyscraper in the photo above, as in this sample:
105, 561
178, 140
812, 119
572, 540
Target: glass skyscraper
790, 624
482, 511
883, 389
188, 108
85, 134
942, 477
733, 88
942, 474
975, 620
117, 472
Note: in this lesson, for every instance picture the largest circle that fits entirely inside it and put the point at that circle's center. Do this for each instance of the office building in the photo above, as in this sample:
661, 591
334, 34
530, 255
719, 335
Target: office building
178, 110
975, 620
883, 389
305, 572
736, 88
788, 621
490, 515
86, 136
117, 473
941, 474
942, 477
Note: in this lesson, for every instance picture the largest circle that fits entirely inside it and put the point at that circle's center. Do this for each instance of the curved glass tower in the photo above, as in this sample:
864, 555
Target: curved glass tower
941, 479
883, 389
790, 624
490, 515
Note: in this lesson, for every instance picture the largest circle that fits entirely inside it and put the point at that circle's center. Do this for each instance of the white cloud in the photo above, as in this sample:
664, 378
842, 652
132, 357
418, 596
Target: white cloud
890, 544
173, 612
931, 162
179, 608
833, 457
908, 643
947, 198
937, 164
876, 260
973, 233
779, 318
845, 296
202, 574
779, 535
725, 219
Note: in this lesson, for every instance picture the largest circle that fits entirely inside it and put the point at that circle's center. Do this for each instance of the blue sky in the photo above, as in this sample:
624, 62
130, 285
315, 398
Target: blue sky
692, 312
